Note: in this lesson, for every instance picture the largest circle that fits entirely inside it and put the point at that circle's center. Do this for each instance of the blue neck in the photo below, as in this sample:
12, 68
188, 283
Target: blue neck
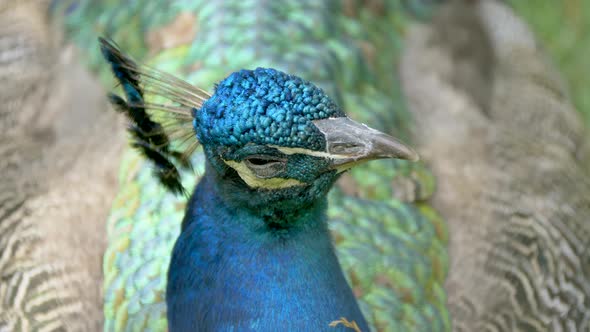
231, 272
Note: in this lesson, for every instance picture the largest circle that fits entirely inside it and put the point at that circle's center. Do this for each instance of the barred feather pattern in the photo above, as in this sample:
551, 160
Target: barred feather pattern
30, 299
35, 292
49, 243
55, 184
32, 290
51, 235
512, 181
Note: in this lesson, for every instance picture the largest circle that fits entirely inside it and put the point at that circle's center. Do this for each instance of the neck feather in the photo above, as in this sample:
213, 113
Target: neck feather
288, 277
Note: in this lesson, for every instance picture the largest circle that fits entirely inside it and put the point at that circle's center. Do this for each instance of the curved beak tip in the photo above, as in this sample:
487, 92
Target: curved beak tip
413, 156
351, 142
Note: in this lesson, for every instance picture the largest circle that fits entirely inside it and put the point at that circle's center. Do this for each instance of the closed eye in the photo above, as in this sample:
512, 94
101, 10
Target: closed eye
265, 166
260, 161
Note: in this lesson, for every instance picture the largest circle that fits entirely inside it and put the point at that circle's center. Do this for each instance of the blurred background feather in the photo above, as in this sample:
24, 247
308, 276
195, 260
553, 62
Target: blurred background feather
58, 177
513, 180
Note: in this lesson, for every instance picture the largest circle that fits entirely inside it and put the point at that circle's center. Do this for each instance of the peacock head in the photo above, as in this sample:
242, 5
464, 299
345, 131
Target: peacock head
275, 141
279, 142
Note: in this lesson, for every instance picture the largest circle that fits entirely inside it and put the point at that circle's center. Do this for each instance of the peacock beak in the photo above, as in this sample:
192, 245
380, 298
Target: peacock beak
349, 143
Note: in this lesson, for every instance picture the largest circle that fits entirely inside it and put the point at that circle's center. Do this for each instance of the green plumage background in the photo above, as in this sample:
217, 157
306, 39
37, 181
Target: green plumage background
390, 241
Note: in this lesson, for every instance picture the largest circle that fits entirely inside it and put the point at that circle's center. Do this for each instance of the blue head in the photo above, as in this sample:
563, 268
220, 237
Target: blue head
279, 142
265, 107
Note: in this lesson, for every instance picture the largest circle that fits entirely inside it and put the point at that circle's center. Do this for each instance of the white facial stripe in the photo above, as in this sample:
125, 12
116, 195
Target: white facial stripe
321, 154
255, 182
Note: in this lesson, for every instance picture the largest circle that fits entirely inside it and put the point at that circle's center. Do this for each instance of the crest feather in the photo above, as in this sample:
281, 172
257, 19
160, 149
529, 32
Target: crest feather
171, 124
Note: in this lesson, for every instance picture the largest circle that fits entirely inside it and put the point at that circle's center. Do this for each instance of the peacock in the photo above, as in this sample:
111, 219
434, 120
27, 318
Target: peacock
254, 231
376, 209
390, 243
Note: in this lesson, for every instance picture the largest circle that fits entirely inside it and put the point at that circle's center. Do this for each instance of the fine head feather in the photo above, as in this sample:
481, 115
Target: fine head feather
160, 110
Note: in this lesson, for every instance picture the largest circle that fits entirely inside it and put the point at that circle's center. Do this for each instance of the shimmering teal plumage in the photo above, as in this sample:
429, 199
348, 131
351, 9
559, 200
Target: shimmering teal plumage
398, 281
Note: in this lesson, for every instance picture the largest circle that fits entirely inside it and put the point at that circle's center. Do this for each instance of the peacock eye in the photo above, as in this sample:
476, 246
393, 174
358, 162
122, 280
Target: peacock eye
260, 161
265, 166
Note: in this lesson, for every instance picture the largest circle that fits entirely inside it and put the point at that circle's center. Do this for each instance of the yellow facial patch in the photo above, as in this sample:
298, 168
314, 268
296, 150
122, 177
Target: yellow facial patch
256, 182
